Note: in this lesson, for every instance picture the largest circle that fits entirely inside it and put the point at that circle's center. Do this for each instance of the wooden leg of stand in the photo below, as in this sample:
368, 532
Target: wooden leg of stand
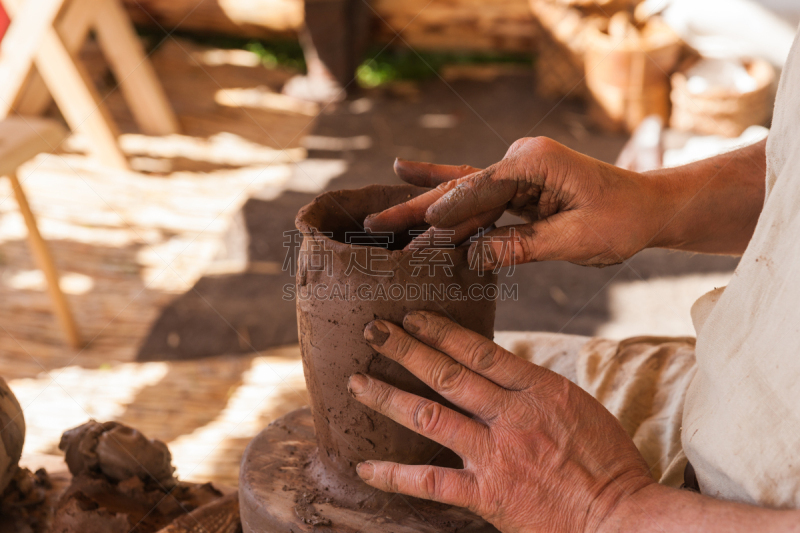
73, 26
77, 99
45, 262
133, 70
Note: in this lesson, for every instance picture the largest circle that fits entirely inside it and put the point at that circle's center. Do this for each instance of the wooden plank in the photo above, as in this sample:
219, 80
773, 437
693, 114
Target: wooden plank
21, 138
468, 25
73, 26
473, 25
70, 84
252, 18
20, 44
133, 70
44, 260
76, 97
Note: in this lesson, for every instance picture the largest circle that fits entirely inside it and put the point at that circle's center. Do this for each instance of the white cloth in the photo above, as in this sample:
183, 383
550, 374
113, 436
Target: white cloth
728, 28
741, 421
642, 381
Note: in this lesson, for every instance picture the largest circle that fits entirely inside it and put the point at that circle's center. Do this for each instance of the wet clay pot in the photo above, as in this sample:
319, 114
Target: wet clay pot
345, 279
299, 474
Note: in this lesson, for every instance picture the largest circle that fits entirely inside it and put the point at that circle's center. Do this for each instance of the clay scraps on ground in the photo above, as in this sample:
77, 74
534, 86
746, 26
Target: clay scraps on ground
118, 452
24, 503
124, 482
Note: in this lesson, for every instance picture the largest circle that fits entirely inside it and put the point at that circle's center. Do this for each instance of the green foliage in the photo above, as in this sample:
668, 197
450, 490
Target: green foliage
381, 66
384, 66
273, 53
278, 53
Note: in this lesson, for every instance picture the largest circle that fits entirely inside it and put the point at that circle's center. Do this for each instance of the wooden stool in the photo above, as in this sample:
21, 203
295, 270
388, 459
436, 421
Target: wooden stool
48, 34
21, 139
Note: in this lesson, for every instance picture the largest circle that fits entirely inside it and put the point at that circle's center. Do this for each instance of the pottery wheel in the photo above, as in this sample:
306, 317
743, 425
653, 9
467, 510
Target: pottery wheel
279, 492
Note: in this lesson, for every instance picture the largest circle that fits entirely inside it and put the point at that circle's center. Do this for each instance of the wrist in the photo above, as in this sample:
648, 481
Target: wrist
624, 515
665, 193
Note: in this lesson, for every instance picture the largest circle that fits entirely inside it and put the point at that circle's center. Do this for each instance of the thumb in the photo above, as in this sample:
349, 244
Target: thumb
543, 240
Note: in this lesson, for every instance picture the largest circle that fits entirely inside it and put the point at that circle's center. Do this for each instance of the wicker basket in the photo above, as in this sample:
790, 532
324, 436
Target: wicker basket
628, 80
723, 112
562, 43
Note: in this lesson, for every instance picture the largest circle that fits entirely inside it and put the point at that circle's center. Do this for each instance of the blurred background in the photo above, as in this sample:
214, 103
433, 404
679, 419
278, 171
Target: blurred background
193, 131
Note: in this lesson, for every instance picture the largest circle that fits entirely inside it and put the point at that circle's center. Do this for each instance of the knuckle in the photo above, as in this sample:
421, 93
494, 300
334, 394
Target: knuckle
427, 416
484, 355
522, 247
392, 478
448, 334
544, 144
447, 186
517, 145
527, 250
448, 377
429, 483
383, 397
404, 347
437, 328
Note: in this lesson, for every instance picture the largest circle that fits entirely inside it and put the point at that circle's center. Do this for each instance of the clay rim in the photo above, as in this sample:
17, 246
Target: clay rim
337, 246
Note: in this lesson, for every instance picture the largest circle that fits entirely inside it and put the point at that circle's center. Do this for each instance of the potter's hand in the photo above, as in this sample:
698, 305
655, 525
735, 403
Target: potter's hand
576, 208
540, 454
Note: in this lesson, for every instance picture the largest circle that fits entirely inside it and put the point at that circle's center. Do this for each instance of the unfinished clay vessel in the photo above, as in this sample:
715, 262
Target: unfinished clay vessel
345, 279
342, 287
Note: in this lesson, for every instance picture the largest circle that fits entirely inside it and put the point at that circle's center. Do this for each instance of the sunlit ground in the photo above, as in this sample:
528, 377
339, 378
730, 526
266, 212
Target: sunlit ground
127, 242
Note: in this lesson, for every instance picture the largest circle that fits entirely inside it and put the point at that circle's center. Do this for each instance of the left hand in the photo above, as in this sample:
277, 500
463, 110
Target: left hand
540, 454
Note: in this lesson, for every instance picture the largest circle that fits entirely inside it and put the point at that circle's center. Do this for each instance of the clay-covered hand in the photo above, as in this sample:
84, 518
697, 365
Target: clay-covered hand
539, 453
575, 208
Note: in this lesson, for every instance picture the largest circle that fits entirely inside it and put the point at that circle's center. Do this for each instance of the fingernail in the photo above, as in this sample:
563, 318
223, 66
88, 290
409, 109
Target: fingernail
414, 321
430, 214
376, 333
357, 383
365, 470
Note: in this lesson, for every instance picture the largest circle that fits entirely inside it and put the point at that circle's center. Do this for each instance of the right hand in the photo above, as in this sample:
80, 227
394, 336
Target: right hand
575, 208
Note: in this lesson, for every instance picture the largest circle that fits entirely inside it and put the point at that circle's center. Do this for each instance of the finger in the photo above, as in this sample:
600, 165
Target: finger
428, 418
444, 485
544, 240
484, 191
464, 388
429, 174
406, 215
474, 351
451, 237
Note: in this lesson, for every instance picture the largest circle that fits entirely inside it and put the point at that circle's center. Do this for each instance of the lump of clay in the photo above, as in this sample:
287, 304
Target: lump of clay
122, 482
117, 452
12, 435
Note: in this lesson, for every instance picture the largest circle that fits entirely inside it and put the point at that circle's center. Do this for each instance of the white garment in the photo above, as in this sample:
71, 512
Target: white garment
741, 422
728, 28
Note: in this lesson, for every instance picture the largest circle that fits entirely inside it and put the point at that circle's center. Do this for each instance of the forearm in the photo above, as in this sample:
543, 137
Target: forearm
710, 206
663, 509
